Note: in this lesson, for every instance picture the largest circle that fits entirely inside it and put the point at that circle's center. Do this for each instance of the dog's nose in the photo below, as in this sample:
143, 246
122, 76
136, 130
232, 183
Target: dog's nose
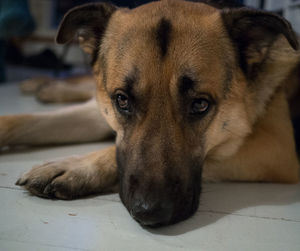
151, 214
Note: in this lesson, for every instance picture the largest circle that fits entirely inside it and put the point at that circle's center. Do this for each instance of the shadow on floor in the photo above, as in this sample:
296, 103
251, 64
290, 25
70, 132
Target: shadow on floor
219, 200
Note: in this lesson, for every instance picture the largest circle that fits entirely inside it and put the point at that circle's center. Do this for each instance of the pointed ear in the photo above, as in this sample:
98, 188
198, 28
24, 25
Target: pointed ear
86, 22
253, 32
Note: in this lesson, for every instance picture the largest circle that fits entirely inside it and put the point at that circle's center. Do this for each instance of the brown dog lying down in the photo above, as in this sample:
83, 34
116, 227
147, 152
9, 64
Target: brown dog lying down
193, 92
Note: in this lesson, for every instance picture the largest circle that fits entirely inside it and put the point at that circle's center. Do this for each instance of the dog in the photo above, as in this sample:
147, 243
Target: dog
193, 91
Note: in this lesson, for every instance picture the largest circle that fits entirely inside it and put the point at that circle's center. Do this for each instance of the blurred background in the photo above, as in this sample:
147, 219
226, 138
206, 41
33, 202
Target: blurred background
28, 27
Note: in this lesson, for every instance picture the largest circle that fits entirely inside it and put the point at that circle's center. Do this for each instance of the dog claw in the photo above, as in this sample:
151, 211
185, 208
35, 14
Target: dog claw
49, 190
21, 182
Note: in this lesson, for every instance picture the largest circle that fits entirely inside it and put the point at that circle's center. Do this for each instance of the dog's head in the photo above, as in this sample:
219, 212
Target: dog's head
179, 82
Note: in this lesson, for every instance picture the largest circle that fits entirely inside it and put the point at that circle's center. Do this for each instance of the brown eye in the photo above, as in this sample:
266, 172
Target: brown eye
199, 106
122, 102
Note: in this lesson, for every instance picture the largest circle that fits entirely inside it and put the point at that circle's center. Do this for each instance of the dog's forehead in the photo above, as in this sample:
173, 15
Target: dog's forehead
158, 21
170, 37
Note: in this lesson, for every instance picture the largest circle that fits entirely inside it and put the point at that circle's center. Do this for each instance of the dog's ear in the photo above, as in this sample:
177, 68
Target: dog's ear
88, 22
253, 32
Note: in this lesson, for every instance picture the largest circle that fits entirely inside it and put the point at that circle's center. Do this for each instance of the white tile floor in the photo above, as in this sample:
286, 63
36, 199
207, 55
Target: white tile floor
231, 216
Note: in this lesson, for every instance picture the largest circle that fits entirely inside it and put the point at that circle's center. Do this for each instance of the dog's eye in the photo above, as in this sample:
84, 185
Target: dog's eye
122, 102
199, 106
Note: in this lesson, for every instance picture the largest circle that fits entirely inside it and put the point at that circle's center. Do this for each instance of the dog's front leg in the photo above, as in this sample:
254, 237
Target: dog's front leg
74, 177
74, 124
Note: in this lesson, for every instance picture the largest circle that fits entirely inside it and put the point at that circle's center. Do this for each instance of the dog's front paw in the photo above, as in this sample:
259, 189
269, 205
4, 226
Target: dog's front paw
31, 86
51, 93
66, 179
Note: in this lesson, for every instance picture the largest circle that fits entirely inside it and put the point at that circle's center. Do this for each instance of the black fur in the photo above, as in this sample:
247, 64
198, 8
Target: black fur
88, 21
163, 32
254, 30
185, 84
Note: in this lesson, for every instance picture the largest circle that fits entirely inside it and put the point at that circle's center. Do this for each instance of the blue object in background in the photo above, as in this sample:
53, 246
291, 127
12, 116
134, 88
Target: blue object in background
2, 63
15, 21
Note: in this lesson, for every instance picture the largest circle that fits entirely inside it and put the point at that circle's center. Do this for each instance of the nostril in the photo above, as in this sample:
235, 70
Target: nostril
139, 209
151, 214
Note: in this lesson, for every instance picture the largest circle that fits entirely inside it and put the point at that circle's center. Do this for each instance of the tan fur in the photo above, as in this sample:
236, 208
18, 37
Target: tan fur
267, 154
68, 90
74, 124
